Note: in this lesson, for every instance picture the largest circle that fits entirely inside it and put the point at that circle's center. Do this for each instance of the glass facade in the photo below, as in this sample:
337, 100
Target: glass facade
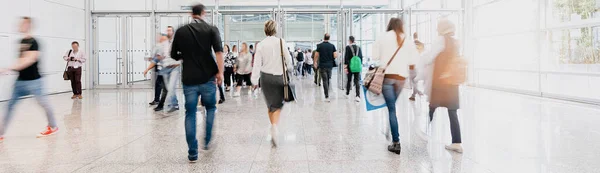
549, 47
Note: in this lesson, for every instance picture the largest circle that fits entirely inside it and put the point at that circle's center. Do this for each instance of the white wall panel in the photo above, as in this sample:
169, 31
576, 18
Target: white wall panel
509, 79
509, 52
122, 4
57, 20
80, 4
10, 13
571, 85
56, 24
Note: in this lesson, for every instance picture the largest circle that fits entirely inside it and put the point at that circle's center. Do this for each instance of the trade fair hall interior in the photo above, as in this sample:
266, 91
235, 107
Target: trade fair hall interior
109, 84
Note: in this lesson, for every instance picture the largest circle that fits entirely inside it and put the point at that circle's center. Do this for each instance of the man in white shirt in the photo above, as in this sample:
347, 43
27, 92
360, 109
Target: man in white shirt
75, 59
413, 70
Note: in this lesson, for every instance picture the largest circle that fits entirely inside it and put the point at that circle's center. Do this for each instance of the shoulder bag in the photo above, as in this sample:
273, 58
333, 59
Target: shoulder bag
289, 93
66, 73
374, 78
454, 70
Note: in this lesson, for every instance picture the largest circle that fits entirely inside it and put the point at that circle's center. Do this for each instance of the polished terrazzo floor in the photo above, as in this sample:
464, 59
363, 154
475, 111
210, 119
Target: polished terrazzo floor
116, 131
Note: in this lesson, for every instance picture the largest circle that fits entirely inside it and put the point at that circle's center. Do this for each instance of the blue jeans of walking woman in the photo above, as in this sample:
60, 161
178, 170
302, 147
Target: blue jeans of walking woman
207, 93
24, 88
391, 90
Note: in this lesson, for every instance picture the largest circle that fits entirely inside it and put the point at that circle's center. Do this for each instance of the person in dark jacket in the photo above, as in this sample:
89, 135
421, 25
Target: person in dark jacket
351, 51
201, 73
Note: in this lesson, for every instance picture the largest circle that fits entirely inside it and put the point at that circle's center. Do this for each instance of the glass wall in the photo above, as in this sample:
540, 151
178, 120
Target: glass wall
550, 48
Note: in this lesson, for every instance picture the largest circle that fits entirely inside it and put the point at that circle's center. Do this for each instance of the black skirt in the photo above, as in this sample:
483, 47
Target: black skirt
272, 87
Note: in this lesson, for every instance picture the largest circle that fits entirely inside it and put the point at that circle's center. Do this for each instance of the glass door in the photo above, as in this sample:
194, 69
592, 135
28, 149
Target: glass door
306, 28
107, 51
122, 44
139, 47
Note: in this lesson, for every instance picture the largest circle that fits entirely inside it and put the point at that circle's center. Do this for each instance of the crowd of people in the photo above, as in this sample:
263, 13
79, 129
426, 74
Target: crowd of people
195, 55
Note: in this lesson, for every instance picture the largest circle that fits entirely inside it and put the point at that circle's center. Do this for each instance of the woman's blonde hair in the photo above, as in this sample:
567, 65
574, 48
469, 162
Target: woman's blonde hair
244, 47
270, 28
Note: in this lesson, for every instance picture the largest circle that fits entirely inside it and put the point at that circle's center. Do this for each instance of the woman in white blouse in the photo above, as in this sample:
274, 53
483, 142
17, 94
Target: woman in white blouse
269, 68
386, 46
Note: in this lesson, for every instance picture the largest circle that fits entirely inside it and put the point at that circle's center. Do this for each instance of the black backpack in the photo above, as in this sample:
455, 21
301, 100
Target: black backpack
300, 57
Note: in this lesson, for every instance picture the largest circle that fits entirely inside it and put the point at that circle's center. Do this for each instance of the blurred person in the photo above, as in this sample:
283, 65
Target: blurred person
170, 34
317, 73
243, 68
394, 47
254, 53
229, 63
352, 50
236, 54
235, 51
413, 70
75, 59
309, 62
325, 61
29, 81
441, 94
159, 84
251, 49
170, 73
300, 62
269, 71
201, 73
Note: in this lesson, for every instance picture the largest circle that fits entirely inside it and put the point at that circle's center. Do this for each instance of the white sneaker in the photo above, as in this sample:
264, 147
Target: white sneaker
327, 100
274, 136
357, 99
250, 92
236, 94
456, 147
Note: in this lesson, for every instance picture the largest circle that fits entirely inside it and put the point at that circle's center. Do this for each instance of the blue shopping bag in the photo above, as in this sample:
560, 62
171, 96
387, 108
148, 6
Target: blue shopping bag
373, 101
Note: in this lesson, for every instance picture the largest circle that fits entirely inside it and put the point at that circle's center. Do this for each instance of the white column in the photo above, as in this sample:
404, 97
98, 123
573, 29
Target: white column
89, 70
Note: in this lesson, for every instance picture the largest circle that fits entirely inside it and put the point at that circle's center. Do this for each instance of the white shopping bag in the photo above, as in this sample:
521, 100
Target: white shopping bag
373, 101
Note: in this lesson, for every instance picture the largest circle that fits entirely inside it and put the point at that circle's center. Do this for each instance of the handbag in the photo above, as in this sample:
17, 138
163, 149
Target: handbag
374, 78
66, 73
454, 70
289, 89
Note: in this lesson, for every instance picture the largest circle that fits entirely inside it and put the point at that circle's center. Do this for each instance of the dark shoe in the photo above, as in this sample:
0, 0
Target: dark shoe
395, 148
412, 98
206, 147
193, 159
221, 101
153, 103
158, 109
173, 109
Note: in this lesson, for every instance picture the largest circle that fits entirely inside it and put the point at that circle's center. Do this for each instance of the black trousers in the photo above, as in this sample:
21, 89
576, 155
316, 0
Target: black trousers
228, 75
221, 93
241, 78
158, 86
326, 76
308, 69
163, 97
75, 75
454, 124
356, 84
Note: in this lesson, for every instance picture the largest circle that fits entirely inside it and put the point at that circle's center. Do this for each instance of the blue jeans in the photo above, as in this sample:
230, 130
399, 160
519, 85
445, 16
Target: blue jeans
25, 88
171, 80
207, 93
391, 90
